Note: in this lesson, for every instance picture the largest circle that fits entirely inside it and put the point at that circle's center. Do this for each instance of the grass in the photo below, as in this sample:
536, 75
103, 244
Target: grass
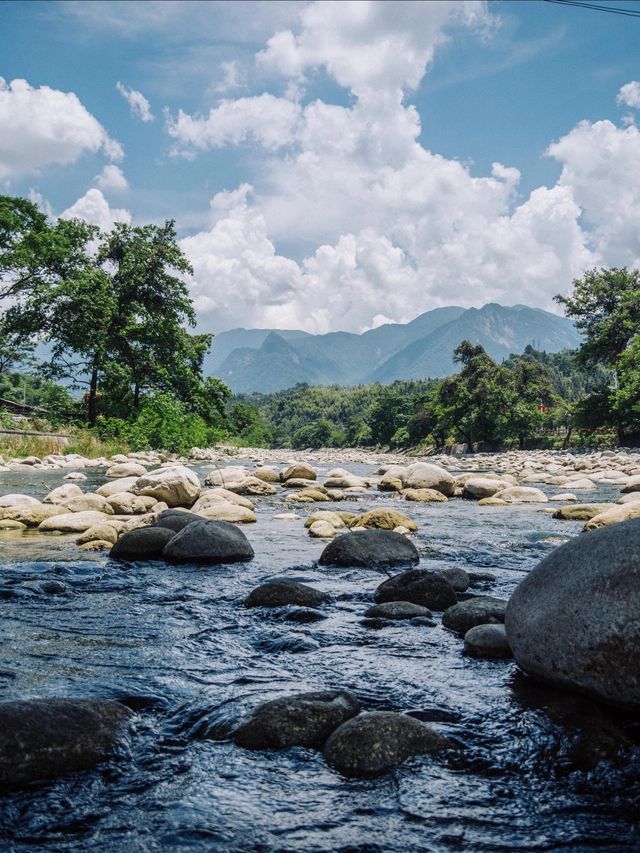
82, 442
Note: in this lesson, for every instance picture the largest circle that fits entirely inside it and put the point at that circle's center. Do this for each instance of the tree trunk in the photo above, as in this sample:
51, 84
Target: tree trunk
521, 441
136, 396
93, 395
567, 438
621, 436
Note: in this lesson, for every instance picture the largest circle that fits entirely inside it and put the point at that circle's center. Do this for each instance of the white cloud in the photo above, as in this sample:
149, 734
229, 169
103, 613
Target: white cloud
93, 208
233, 77
42, 126
267, 119
138, 104
112, 178
629, 95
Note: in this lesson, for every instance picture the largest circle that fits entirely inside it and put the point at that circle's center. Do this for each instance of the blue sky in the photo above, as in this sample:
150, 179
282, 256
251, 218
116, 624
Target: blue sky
331, 165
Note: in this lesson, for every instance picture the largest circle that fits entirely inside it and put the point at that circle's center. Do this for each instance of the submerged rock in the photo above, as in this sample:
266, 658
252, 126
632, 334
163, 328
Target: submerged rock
304, 719
397, 610
370, 548
487, 641
143, 543
44, 738
574, 620
418, 586
372, 744
281, 593
479, 610
209, 542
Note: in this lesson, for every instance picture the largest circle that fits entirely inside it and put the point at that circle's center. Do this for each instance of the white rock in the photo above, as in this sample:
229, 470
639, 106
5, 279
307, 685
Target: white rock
176, 486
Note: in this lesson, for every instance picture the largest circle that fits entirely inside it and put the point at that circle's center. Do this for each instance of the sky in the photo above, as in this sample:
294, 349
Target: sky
335, 165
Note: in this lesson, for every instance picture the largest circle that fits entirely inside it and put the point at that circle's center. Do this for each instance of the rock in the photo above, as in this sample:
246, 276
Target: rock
98, 533
45, 738
582, 484
493, 501
424, 495
252, 486
73, 522
300, 471
369, 548
397, 610
383, 519
338, 478
521, 495
176, 519
332, 518
281, 593
18, 500
12, 524
487, 641
143, 543
632, 484
225, 476
88, 503
564, 496
30, 514
208, 542
483, 487
54, 588
63, 494
216, 494
300, 483
616, 514
580, 512
269, 475
574, 621
314, 495
371, 744
457, 577
424, 475
126, 503
117, 487
390, 483
418, 586
226, 511
304, 719
126, 469
479, 610
322, 530
75, 475
176, 486
287, 516
96, 545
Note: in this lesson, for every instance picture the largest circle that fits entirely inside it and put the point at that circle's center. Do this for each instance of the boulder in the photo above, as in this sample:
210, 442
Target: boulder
424, 495
574, 621
45, 738
487, 641
18, 500
269, 475
479, 610
492, 501
383, 519
142, 543
284, 592
390, 482
397, 610
176, 519
374, 743
563, 496
88, 503
209, 542
63, 494
304, 719
322, 530
96, 545
99, 533
126, 503
483, 487
580, 512
126, 469
614, 515
632, 484
30, 514
252, 486
226, 511
418, 586
217, 493
338, 478
116, 486
521, 495
370, 548
75, 475
581, 484
457, 577
424, 475
176, 486
226, 476
299, 471
73, 522
333, 518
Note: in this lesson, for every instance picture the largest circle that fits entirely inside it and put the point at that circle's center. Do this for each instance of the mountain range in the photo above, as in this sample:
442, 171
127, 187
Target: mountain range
267, 360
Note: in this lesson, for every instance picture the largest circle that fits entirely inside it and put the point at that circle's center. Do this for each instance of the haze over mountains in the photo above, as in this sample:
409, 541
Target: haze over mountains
267, 360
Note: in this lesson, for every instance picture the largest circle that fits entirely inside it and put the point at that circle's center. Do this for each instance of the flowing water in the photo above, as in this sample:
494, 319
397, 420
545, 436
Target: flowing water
176, 644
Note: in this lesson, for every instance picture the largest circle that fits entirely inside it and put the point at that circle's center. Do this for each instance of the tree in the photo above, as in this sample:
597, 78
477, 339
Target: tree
530, 391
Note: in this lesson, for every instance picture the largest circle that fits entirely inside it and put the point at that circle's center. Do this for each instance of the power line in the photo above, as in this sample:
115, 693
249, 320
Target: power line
613, 10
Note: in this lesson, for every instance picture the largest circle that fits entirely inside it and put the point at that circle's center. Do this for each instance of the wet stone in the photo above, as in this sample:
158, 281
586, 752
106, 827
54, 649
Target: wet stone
304, 719
175, 519
143, 543
281, 593
370, 548
208, 543
487, 641
479, 610
397, 610
419, 587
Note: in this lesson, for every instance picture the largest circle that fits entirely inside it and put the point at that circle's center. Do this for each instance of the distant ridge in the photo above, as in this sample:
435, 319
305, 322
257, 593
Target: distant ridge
267, 360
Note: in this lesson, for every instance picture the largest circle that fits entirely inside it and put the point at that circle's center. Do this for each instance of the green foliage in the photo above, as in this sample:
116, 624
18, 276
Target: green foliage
247, 427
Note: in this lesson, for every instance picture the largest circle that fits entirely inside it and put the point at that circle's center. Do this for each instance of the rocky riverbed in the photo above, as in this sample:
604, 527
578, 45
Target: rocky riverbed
308, 651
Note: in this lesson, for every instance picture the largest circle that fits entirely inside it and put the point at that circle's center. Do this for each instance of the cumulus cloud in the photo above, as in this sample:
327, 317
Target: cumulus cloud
93, 208
629, 95
138, 104
42, 126
112, 178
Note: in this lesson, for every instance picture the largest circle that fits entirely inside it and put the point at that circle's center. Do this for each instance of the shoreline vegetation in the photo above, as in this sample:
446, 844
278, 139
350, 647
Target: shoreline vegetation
134, 380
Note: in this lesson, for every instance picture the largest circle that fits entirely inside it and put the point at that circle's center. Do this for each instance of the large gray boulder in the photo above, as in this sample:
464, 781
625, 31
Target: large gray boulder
418, 586
305, 719
371, 744
143, 543
283, 592
370, 548
176, 486
574, 620
44, 738
207, 543
425, 475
